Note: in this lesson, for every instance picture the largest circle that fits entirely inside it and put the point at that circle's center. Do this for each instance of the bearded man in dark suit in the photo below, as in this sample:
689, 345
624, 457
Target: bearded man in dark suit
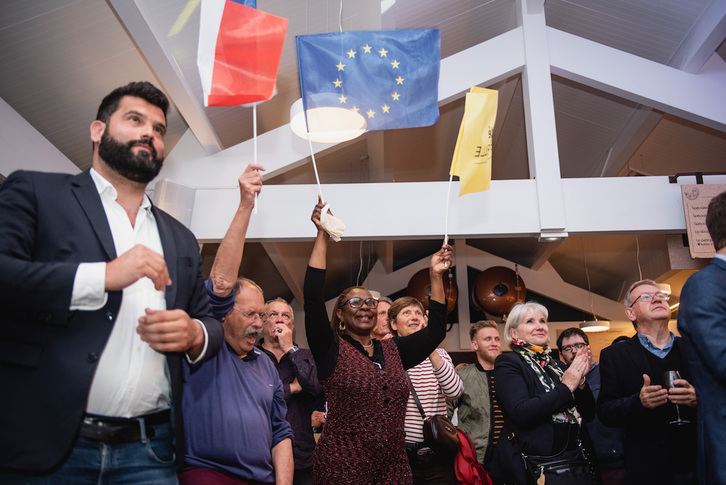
103, 303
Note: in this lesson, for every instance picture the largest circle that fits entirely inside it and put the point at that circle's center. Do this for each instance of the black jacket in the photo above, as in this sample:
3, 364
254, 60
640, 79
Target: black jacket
49, 223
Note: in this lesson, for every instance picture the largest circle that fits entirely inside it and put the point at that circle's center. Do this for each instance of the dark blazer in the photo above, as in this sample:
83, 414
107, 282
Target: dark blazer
702, 324
528, 410
49, 223
645, 435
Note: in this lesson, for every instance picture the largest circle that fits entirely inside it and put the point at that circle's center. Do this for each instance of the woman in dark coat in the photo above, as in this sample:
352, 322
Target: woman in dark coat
544, 403
363, 378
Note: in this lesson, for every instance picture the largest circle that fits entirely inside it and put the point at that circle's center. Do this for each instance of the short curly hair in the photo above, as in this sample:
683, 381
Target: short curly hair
400, 304
143, 89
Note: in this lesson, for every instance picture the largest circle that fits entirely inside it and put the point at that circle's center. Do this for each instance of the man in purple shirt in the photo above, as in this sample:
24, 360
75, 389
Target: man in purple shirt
299, 378
234, 407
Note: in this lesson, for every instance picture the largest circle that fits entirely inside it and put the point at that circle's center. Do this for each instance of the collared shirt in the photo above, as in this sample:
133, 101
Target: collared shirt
131, 378
720, 256
650, 347
234, 414
299, 365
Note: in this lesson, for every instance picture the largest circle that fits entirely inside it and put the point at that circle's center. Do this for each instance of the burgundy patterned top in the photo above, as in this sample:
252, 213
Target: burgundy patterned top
363, 441
363, 438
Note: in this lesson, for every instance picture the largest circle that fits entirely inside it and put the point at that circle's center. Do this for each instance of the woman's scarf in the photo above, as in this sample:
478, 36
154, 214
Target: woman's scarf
549, 375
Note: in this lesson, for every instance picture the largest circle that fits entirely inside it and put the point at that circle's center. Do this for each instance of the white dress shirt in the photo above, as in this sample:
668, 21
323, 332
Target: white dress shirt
131, 379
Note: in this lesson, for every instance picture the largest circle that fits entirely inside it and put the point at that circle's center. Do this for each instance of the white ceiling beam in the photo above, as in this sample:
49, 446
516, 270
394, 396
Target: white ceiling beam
697, 97
153, 45
483, 64
539, 116
703, 39
593, 206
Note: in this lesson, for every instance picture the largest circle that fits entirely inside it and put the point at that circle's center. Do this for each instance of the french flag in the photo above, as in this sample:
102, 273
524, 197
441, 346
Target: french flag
239, 52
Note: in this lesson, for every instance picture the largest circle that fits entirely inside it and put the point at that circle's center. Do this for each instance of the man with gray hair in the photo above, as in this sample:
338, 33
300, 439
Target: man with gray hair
235, 408
235, 411
299, 377
659, 448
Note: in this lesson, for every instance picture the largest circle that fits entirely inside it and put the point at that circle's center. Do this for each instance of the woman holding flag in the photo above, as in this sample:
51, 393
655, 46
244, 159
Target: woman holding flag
363, 378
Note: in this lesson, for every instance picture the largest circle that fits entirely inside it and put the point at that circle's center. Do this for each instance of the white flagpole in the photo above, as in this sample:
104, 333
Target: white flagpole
254, 141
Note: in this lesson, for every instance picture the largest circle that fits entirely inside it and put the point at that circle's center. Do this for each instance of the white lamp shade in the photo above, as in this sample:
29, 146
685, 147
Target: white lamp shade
326, 125
595, 326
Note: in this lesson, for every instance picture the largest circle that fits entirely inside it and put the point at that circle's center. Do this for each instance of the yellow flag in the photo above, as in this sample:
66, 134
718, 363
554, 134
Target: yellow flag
472, 161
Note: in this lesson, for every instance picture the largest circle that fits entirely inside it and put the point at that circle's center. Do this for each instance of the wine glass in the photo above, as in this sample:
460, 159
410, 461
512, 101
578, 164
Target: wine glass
668, 382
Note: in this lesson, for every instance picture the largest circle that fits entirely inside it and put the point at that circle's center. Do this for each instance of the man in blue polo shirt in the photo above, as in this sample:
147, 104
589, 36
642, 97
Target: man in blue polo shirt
234, 407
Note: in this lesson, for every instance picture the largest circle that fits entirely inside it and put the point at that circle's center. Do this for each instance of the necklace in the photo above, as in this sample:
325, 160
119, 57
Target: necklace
368, 346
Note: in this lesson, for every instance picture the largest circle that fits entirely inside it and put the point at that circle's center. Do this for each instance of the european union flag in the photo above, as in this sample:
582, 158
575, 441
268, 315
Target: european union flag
390, 77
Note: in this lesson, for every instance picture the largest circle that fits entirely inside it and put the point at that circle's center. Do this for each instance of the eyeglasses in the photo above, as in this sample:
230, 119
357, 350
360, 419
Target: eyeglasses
285, 316
648, 297
251, 315
577, 346
357, 302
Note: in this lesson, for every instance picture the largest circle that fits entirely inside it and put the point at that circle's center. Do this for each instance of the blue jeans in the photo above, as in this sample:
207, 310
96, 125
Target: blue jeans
91, 462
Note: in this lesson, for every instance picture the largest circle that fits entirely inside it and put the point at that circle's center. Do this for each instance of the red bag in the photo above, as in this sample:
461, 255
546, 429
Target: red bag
468, 469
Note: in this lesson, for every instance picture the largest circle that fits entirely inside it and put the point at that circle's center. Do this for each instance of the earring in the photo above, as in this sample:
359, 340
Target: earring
341, 327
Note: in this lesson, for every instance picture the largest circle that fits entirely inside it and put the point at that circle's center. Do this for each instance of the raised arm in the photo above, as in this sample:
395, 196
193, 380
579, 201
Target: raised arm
418, 346
320, 249
322, 341
440, 262
229, 255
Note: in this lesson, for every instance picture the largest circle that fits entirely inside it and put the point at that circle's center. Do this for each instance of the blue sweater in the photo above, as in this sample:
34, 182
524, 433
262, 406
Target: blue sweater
234, 414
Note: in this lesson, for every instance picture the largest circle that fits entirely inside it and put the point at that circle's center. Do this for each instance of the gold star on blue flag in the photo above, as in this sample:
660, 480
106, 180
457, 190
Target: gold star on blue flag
390, 77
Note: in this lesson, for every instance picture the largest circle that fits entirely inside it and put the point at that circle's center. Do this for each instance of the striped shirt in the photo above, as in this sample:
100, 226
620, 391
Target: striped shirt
433, 387
497, 414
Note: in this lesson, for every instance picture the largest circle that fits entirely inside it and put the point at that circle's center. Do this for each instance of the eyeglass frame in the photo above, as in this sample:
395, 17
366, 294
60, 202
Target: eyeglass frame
650, 296
249, 315
370, 302
568, 348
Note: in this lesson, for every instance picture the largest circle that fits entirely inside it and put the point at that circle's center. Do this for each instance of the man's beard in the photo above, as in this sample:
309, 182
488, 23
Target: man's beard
141, 167
487, 357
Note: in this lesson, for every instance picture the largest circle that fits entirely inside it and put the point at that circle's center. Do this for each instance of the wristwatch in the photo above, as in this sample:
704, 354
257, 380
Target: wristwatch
292, 350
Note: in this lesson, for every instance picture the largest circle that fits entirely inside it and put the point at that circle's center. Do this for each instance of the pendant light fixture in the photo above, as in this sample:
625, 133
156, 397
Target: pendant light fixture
593, 325
326, 125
